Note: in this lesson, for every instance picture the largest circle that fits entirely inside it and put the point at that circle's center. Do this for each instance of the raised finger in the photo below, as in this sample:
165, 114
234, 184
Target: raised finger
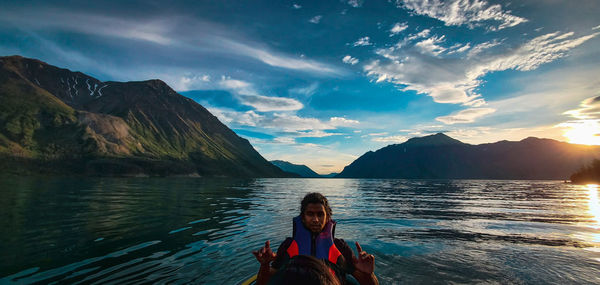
267, 244
358, 247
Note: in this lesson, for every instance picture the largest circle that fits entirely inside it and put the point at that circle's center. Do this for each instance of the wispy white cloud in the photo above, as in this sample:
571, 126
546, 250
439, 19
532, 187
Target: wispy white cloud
596, 27
248, 118
390, 139
248, 96
472, 13
478, 49
229, 83
376, 134
355, 3
316, 19
350, 60
307, 90
278, 60
289, 124
181, 34
294, 123
190, 81
454, 80
459, 48
430, 45
398, 28
323, 159
588, 109
154, 30
465, 116
364, 41
479, 135
296, 6
269, 104
340, 121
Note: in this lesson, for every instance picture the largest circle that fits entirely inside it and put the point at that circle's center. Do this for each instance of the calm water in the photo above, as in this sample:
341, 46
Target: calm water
186, 230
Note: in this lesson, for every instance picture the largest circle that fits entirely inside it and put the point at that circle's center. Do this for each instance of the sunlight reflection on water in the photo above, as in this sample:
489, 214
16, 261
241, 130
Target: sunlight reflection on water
189, 230
594, 204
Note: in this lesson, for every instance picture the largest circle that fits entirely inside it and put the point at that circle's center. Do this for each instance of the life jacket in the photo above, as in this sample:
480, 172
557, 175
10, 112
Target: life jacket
324, 248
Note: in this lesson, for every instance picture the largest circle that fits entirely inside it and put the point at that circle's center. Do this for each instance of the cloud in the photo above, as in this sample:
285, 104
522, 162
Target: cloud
154, 30
454, 80
390, 139
181, 34
472, 13
596, 27
293, 123
278, 60
316, 19
479, 135
290, 125
306, 91
478, 49
296, 6
364, 41
322, 159
589, 109
229, 83
355, 3
190, 82
459, 48
339, 121
350, 60
268, 104
465, 116
248, 96
430, 45
248, 118
398, 28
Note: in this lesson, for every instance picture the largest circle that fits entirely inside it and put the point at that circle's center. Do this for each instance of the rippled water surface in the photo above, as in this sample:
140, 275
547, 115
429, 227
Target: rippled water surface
190, 230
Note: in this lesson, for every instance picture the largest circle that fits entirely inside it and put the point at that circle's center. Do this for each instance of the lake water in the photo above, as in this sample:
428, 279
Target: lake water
190, 230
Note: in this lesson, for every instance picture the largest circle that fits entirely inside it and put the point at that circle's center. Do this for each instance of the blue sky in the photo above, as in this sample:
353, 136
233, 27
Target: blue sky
322, 82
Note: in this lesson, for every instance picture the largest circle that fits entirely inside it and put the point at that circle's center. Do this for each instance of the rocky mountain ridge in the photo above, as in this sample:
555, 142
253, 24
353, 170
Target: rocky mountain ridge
441, 157
56, 120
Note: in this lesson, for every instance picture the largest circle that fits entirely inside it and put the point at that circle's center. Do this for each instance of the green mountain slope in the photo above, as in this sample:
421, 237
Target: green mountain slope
55, 120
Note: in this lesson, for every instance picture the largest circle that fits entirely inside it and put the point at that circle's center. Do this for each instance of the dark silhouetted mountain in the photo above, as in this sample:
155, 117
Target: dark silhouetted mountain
58, 121
300, 169
587, 174
441, 157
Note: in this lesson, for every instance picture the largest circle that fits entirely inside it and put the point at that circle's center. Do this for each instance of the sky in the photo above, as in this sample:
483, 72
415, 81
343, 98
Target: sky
320, 83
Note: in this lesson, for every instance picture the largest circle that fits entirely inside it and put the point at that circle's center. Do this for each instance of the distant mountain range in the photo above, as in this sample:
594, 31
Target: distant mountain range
300, 169
53, 120
441, 157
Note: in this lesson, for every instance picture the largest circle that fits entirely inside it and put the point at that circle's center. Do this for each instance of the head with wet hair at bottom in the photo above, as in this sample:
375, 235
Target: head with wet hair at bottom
305, 270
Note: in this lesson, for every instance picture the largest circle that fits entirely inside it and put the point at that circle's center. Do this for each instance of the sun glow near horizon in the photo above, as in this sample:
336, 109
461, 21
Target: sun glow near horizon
583, 132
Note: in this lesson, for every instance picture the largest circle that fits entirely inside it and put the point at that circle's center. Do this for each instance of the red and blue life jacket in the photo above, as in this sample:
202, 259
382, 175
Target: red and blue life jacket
321, 246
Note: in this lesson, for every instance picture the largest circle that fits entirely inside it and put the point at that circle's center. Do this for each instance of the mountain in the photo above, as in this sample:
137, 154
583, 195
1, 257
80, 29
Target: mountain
302, 170
440, 156
53, 120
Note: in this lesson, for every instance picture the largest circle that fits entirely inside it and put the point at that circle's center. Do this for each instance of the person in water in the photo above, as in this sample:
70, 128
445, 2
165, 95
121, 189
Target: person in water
313, 234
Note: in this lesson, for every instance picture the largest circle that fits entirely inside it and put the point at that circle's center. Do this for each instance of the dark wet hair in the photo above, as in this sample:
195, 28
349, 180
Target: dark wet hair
315, 198
305, 270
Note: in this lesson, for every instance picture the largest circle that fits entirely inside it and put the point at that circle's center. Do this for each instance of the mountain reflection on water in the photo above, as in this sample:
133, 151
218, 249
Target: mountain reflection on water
190, 230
